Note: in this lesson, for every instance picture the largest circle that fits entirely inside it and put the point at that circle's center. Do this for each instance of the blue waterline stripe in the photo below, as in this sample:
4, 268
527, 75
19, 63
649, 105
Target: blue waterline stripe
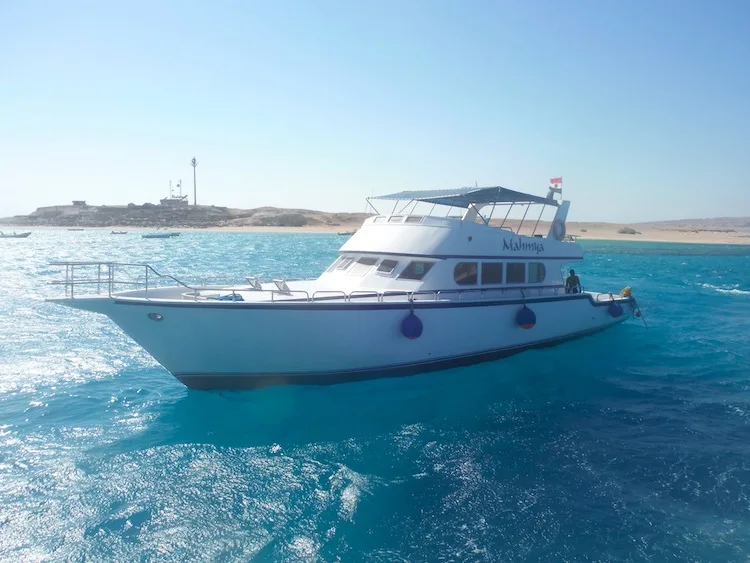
224, 381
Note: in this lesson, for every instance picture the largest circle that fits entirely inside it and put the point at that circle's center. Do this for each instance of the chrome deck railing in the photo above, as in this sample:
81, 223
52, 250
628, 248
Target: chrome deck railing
106, 274
108, 277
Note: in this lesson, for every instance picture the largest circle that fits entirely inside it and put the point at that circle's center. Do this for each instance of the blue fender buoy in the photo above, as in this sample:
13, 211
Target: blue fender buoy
615, 309
526, 318
411, 326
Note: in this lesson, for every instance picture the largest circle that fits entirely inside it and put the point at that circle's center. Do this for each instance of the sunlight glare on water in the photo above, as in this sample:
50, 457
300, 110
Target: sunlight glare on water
631, 444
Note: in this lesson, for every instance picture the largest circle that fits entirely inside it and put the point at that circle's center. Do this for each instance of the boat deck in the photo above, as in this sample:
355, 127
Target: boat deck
107, 281
310, 292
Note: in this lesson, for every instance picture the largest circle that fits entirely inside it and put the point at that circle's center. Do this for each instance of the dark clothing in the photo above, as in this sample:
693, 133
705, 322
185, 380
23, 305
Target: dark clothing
572, 284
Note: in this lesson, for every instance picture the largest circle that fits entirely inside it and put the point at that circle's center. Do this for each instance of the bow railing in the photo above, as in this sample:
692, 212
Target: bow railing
109, 278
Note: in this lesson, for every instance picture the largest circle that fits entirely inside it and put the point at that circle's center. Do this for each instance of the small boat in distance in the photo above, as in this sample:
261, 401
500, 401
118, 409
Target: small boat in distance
76, 229
14, 234
157, 235
408, 293
347, 233
118, 233
162, 234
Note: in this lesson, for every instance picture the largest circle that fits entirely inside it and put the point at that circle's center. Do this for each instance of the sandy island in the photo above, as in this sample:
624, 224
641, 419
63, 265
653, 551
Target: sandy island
171, 216
585, 231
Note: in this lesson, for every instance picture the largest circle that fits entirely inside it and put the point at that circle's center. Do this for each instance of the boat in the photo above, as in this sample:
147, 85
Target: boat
408, 293
160, 235
76, 229
347, 233
119, 233
14, 234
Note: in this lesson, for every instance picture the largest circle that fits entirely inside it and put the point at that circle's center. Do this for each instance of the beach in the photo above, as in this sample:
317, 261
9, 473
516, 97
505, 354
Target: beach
584, 230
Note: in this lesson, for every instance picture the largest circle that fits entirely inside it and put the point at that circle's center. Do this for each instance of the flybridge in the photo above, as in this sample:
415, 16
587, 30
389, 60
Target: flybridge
474, 200
464, 197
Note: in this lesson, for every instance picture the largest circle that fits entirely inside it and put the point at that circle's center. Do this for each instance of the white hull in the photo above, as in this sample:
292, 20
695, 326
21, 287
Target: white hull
231, 345
465, 281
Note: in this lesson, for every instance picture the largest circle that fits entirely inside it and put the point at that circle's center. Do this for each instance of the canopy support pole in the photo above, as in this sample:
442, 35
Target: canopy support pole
371, 205
506, 216
518, 232
537, 221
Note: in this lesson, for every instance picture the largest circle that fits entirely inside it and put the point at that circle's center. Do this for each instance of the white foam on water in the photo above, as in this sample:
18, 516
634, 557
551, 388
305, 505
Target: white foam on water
732, 290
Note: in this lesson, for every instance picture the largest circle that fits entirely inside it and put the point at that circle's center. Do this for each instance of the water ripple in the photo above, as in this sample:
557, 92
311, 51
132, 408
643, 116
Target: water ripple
629, 445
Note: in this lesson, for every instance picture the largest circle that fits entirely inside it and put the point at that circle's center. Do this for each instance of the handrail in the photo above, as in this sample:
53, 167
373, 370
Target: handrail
111, 280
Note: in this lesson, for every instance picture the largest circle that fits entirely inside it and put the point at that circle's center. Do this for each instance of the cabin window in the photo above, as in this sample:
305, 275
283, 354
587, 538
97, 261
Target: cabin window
416, 270
387, 266
344, 264
515, 273
465, 273
414, 219
395, 219
333, 266
379, 219
492, 272
363, 266
537, 272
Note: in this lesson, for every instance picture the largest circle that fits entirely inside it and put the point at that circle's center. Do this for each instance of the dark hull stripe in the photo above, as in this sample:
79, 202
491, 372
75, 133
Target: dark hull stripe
236, 381
327, 306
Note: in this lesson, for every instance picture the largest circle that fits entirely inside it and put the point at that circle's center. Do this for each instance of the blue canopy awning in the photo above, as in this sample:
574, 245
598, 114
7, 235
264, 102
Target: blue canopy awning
464, 197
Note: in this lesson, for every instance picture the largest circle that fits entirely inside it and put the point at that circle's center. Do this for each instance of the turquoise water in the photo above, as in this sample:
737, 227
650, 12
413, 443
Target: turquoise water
632, 444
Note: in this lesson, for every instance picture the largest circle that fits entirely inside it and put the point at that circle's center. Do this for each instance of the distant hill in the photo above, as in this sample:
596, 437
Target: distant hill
177, 215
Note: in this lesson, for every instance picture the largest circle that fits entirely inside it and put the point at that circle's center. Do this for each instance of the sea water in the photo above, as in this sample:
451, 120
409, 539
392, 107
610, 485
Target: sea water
632, 444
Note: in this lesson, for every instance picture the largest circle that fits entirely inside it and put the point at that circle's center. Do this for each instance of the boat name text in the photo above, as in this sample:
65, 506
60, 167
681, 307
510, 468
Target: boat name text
517, 245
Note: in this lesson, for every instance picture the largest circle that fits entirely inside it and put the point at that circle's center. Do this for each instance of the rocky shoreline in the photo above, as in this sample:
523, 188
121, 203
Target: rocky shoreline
150, 215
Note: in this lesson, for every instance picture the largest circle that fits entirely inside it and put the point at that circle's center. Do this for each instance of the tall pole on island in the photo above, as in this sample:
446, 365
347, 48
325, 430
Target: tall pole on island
194, 163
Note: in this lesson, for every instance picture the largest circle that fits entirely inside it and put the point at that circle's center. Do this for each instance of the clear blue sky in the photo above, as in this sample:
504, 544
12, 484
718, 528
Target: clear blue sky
642, 107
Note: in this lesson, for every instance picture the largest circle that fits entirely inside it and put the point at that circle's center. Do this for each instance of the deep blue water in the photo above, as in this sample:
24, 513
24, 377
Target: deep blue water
629, 445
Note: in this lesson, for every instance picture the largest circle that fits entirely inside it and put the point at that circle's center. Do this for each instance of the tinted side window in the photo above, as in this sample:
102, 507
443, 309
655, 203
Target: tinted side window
492, 272
345, 263
387, 266
362, 266
537, 272
516, 273
416, 270
465, 273
335, 264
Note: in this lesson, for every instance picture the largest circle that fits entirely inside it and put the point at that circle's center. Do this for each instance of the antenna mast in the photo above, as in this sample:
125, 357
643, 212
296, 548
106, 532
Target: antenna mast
194, 163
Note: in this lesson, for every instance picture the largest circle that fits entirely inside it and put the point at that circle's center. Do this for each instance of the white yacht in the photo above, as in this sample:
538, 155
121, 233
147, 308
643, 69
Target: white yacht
408, 293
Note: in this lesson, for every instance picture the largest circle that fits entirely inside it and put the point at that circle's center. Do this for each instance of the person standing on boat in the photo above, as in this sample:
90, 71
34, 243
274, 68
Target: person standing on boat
572, 283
